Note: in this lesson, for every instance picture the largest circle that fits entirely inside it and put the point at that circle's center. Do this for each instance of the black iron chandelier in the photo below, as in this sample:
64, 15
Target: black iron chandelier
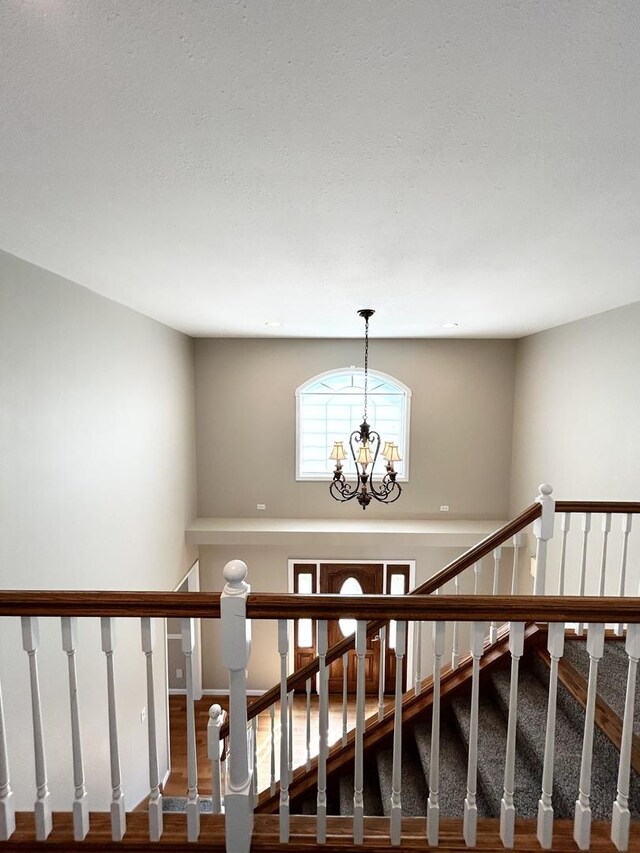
364, 444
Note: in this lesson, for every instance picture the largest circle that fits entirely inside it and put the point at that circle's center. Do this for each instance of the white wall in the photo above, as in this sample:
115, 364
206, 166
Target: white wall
577, 426
97, 484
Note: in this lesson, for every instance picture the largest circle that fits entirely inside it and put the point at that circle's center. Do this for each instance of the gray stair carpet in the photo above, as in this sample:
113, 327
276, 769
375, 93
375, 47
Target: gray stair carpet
492, 743
492, 733
453, 767
371, 791
414, 787
605, 756
612, 674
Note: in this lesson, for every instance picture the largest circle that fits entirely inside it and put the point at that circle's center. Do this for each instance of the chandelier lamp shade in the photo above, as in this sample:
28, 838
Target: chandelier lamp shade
364, 446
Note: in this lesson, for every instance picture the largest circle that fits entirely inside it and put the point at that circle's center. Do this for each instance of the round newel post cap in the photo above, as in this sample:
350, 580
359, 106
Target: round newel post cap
235, 572
545, 490
214, 712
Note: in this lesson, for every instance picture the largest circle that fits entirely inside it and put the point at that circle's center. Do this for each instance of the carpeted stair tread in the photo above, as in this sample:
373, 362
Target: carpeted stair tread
370, 794
414, 787
492, 743
612, 674
530, 736
604, 776
453, 768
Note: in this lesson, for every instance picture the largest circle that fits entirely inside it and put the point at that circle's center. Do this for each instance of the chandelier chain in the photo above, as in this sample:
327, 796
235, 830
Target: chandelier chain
366, 363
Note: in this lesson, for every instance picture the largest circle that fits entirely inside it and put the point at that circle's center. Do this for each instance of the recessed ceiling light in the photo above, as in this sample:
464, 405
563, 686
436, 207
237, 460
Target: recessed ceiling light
449, 325
273, 324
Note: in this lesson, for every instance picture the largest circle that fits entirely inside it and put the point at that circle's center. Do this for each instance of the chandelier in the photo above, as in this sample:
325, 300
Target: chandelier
364, 445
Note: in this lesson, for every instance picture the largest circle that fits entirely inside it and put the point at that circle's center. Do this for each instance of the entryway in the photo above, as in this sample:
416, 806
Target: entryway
350, 578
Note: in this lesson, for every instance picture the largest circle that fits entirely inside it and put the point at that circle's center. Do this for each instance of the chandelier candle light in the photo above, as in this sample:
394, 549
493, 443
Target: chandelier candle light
364, 444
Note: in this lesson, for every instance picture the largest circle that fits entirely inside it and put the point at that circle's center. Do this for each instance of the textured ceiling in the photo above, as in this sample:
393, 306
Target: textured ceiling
216, 165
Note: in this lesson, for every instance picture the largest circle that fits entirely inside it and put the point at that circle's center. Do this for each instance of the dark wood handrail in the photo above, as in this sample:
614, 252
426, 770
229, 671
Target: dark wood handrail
200, 605
441, 608
460, 564
598, 506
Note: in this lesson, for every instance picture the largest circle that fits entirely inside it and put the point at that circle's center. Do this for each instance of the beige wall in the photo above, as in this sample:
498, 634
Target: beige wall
577, 426
98, 481
577, 410
461, 422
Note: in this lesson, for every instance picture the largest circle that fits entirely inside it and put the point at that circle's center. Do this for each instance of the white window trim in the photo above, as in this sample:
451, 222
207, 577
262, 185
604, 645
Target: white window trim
386, 377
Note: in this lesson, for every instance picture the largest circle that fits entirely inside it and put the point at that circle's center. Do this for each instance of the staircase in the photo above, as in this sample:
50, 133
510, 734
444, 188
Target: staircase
492, 737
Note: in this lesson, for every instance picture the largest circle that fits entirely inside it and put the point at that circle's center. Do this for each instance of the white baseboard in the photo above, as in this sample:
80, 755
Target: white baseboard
225, 692
180, 691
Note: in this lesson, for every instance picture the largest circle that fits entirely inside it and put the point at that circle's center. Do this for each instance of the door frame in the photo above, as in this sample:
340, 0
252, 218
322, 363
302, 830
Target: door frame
368, 560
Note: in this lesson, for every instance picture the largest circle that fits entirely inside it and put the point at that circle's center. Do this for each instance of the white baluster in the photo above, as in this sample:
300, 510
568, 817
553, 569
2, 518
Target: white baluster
543, 531
477, 571
254, 740
586, 527
290, 735
345, 671
42, 807
272, 717
417, 655
80, 807
455, 653
507, 808
118, 811
582, 823
7, 804
565, 524
155, 799
358, 799
620, 818
555, 647
283, 650
517, 542
497, 555
236, 650
433, 803
606, 527
626, 530
193, 798
308, 685
396, 775
323, 733
213, 754
470, 820
383, 674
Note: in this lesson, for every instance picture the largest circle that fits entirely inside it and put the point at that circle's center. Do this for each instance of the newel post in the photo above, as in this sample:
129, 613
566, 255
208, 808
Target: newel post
236, 648
543, 531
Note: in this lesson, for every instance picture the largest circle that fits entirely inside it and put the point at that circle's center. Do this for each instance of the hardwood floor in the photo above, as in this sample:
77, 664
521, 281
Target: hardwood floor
177, 783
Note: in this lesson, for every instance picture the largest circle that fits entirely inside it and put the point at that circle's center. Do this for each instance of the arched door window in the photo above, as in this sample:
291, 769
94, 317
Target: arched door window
329, 408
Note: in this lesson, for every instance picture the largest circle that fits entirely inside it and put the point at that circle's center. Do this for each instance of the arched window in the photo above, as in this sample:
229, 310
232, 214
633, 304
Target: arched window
329, 408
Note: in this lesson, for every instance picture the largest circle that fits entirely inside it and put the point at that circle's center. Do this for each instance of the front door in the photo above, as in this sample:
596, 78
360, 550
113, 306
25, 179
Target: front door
352, 579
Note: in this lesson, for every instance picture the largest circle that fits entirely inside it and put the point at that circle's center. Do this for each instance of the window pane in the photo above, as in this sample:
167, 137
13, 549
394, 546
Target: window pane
396, 587
305, 583
331, 408
349, 587
305, 634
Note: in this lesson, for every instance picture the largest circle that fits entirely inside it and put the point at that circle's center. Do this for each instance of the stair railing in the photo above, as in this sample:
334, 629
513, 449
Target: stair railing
237, 606
507, 534
553, 611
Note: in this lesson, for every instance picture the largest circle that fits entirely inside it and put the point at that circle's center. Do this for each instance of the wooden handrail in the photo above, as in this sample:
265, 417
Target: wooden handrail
440, 608
598, 506
200, 605
460, 564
